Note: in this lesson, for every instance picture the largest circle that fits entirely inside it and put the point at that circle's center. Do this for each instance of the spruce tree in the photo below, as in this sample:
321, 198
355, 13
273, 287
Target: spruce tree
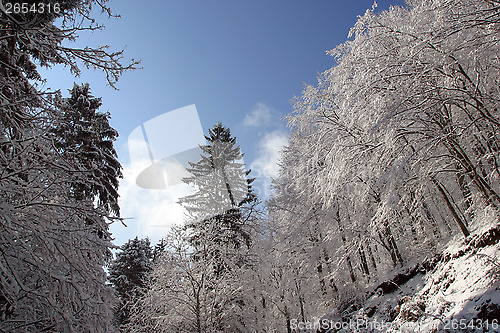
128, 272
215, 211
84, 135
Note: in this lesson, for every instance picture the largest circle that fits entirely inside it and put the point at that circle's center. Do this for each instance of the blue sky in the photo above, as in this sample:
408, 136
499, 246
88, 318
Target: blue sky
240, 62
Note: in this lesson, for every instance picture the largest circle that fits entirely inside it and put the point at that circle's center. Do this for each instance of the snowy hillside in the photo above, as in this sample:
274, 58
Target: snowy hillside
457, 290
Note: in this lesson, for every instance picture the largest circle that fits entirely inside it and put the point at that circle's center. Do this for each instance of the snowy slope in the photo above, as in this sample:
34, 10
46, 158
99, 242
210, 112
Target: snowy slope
455, 291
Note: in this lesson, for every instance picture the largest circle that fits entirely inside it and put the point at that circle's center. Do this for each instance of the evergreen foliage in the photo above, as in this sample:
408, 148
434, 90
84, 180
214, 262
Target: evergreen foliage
85, 136
128, 272
216, 218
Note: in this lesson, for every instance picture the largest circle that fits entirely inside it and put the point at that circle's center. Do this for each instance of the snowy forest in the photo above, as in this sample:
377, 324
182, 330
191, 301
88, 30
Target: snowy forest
385, 213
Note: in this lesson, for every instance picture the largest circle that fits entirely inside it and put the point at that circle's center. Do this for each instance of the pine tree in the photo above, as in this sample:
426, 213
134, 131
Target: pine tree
128, 272
84, 135
216, 210
158, 249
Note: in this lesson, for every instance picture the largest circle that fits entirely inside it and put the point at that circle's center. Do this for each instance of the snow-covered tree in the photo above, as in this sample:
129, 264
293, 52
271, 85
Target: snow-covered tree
128, 273
54, 243
204, 280
220, 210
84, 137
183, 295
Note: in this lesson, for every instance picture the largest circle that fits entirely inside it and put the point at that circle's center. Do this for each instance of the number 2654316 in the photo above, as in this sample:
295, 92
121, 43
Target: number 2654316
34, 8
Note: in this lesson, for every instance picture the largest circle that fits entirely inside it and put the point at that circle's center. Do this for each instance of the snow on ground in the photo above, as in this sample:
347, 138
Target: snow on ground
461, 295
457, 291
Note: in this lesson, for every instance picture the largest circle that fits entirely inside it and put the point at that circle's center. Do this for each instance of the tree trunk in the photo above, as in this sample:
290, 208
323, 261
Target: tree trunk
481, 184
454, 213
464, 188
372, 258
387, 240
364, 263
344, 241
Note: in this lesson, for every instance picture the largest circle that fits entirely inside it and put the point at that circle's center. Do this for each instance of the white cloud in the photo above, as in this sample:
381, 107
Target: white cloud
265, 166
259, 116
149, 213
